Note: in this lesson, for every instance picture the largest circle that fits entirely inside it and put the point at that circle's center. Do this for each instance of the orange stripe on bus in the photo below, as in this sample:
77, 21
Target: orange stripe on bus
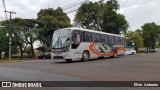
119, 49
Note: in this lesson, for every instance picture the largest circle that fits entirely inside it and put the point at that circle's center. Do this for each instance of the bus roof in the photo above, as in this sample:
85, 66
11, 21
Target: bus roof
88, 30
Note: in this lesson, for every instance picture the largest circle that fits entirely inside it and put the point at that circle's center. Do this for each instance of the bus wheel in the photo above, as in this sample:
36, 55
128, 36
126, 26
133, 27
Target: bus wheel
68, 60
115, 55
85, 56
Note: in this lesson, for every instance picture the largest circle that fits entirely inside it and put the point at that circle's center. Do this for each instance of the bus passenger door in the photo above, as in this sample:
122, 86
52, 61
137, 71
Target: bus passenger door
76, 39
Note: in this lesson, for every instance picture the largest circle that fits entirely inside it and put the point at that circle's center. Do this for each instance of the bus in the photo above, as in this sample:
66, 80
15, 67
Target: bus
78, 43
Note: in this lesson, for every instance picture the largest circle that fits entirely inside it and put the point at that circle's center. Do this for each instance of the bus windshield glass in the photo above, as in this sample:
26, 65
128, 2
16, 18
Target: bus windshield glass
61, 38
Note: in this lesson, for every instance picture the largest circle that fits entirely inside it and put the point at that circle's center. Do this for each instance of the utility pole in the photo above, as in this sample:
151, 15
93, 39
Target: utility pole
48, 6
10, 33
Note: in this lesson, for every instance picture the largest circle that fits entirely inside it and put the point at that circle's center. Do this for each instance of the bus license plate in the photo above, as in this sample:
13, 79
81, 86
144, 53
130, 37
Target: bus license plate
57, 55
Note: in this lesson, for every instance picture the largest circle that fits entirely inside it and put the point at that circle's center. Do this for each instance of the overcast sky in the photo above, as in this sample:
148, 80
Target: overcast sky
137, 12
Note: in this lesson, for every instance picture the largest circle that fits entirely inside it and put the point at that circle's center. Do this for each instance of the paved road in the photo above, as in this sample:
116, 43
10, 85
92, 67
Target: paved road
140, 67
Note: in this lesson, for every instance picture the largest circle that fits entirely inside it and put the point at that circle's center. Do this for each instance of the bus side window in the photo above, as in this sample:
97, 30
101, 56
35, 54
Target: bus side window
87, 36
111, 39
106, 39
122, 40
97, 38
90, 36
76, 39
117, 40
93, 37
102, 38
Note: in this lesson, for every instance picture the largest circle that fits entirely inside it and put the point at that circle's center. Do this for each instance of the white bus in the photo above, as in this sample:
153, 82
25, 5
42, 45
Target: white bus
78, 43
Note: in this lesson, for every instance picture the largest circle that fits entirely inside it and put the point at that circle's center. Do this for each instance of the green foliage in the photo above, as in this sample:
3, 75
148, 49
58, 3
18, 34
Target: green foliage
50, 20
24, 34
136, 38
151, 34
3, 39
28, 51
88, 15
102, 17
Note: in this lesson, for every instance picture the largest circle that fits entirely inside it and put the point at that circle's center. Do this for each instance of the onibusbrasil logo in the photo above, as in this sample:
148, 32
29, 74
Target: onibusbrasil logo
21, 84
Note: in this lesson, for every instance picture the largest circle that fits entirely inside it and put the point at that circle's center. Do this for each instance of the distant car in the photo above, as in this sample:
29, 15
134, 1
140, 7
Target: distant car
130, 52
150, 51
45, 56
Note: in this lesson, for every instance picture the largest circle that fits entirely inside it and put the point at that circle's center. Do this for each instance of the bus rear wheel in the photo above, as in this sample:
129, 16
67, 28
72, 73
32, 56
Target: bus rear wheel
68, 60
85, 56
114, 55
133, 53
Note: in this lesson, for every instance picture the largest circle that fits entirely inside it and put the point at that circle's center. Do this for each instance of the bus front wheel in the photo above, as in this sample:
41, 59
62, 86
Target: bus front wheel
85, 56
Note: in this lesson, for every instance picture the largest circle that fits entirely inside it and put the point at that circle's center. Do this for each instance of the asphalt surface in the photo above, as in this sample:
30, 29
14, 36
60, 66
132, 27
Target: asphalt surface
139, 67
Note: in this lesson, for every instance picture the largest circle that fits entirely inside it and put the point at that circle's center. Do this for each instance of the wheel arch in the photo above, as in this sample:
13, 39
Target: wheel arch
87, 51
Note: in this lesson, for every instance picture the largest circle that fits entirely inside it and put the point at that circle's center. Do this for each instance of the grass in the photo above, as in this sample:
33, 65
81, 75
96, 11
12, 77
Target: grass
14, 60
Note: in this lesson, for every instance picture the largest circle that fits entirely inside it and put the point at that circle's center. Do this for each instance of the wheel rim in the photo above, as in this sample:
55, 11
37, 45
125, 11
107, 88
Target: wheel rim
85, 56
115, 55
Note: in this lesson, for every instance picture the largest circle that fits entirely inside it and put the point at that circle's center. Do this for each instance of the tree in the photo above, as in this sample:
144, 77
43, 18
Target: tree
30, 33
102, 17
25, 32
150, 33
88, 16
136, 38
49, 21
19, 34
3, 41
28, 51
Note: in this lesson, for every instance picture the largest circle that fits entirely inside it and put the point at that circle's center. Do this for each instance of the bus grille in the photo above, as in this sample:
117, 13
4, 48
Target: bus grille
60, 51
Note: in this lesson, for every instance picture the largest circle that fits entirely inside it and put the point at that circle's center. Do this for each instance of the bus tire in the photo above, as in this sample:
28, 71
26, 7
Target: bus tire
68, 60
114, 55
133, 53
85, 56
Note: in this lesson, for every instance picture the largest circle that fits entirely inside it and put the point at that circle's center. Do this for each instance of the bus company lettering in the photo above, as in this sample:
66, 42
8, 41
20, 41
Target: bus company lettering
101, 48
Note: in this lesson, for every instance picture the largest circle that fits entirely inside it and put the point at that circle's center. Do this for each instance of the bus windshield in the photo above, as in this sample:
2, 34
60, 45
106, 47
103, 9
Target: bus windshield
61, 38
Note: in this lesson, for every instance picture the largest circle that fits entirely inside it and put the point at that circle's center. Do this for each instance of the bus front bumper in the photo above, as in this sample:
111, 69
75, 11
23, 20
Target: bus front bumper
60, 56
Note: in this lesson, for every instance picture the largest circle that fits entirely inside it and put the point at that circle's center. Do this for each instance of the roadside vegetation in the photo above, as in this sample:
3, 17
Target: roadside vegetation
14, 60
